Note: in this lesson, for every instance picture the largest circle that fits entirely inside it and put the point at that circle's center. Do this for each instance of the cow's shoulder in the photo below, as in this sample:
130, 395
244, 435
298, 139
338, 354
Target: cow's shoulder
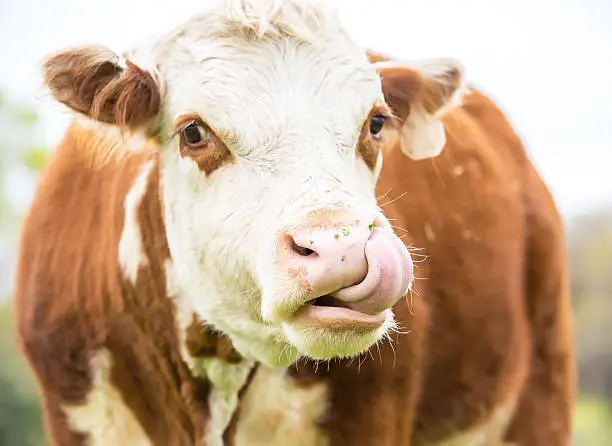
92, 311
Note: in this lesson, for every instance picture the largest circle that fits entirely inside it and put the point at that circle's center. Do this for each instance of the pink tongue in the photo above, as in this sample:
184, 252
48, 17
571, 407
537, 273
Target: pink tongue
389, 275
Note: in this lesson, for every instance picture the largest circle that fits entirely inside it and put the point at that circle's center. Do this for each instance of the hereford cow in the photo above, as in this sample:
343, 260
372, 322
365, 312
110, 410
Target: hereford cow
205, 261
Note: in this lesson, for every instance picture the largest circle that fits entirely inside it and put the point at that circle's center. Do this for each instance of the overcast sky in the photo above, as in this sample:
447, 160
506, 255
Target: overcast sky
547, 63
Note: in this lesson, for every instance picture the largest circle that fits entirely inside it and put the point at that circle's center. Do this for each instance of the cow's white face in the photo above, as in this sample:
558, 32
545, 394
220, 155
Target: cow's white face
270, 150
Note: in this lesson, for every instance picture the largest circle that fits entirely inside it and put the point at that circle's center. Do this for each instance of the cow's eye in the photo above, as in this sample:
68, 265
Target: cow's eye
195, 135
377, 123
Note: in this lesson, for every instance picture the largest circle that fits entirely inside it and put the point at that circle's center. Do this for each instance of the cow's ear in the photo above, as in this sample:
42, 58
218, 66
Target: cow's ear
106, 87
419, 93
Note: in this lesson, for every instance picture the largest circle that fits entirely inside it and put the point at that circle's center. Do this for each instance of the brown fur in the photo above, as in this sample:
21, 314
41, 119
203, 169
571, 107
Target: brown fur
406, 87
369, 146
202, 342
90, 81
490, 323
72, 300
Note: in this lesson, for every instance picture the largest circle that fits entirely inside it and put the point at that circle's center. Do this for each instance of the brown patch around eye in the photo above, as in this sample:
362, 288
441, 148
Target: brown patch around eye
370, 145
198, 142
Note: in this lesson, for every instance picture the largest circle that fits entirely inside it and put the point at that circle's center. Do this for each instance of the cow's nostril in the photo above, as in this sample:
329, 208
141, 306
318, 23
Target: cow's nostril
300, 250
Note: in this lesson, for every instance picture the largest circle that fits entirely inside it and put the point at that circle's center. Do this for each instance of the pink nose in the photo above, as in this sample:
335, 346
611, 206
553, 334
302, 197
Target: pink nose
365, 268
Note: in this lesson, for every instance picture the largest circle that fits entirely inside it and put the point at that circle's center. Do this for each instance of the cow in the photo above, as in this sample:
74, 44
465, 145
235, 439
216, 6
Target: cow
216, 254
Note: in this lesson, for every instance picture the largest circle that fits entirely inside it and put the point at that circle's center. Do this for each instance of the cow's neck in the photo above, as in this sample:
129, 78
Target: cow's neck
249, 400
251, 403
228, 380
212, 356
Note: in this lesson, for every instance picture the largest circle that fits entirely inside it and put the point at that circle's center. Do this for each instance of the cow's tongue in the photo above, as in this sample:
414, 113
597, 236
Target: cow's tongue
389, 275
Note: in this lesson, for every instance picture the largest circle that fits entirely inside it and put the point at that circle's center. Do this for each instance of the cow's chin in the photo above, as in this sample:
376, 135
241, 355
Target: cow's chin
282, 345
325, 343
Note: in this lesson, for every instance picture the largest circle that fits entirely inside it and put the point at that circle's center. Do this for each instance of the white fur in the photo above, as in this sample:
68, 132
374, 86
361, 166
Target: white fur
319, 343
287, 91
104, 416
278, 105
131, 251
227, 380
423, 136
273, 17
275, 411
184, 315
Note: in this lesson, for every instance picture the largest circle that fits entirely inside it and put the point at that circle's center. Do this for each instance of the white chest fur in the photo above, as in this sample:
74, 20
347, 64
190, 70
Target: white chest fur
227, 380
274, 410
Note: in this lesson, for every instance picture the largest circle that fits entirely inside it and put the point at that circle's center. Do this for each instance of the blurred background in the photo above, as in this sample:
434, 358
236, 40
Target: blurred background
546, 63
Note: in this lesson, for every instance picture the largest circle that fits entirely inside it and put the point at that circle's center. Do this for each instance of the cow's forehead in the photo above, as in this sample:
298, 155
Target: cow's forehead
253, 90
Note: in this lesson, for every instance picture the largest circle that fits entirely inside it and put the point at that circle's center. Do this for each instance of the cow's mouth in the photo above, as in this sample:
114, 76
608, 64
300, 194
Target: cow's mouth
329, 312
328, 301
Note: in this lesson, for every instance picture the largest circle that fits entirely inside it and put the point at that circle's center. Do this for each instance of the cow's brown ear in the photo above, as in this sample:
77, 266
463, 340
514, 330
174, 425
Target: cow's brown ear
419, 93
98, 83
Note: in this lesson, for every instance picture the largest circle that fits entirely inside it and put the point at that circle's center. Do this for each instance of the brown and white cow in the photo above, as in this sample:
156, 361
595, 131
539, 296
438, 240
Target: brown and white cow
205, 261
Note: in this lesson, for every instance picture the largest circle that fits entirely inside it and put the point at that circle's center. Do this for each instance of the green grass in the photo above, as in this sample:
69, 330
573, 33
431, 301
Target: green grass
592, 423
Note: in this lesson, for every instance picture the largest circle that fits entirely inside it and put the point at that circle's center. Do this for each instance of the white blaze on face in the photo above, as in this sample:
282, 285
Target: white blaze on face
290, 112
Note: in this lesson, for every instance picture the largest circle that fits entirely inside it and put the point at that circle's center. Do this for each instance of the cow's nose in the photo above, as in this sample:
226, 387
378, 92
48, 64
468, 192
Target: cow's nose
329, 258
363, 267
300, 250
